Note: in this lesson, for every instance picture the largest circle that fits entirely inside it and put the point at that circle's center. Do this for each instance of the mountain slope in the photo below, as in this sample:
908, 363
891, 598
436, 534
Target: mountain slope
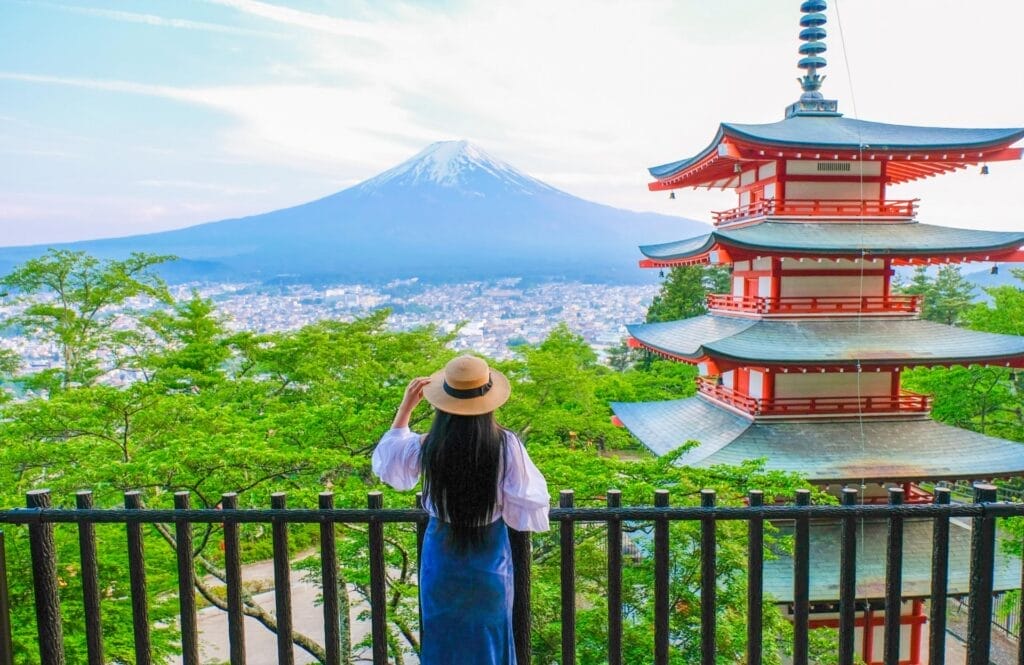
450, 213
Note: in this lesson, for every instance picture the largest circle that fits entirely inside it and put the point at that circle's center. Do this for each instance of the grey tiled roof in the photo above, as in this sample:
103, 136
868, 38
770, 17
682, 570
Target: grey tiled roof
665, 426
872, 450
895, 341
871, 535
878, 239
847, 133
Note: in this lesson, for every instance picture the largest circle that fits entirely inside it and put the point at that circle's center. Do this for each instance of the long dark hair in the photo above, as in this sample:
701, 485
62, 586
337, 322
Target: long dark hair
461, 459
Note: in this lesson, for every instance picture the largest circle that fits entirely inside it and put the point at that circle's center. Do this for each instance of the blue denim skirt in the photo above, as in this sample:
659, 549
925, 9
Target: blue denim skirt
466, 599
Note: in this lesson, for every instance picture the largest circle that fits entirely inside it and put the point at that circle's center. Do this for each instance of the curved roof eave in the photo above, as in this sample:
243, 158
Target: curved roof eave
680, 248
668, 170
841, 238
801, 343
848, 133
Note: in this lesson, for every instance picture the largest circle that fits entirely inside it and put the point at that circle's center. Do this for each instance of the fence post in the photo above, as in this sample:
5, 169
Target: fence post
755, 579
568, 548
983, 545
137, 575
90, 582
661, 581
329, 579
614, 500
708, 581
522, 556
44, 582
282, 583
6, 641
801, 580
847, 580
186, 584
233, 573
893, 581
940, 572
378, 608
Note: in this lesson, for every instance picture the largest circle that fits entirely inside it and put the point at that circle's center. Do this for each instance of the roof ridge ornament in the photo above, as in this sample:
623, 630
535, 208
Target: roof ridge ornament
812, 33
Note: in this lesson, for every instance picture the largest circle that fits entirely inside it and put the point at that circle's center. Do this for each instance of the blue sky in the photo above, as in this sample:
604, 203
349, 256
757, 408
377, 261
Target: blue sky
126, 117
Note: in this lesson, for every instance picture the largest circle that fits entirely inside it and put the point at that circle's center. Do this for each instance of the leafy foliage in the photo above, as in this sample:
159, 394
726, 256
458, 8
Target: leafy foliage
986, 399
74, 301
300, 411
684, 290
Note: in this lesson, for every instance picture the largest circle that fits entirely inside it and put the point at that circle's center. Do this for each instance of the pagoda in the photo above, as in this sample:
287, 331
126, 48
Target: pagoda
800, 364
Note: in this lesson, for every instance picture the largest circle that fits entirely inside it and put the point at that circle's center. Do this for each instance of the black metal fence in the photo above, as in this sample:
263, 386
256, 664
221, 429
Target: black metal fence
41, 517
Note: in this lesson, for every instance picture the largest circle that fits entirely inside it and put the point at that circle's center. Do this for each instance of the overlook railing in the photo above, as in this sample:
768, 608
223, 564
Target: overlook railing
842, 208
906, 402
815, 305
41, 518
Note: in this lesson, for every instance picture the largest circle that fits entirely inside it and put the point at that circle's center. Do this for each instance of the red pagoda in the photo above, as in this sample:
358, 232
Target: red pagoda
800, 364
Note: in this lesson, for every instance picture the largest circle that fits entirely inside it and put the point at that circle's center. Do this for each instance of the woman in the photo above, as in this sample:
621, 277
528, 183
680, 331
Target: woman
477, 478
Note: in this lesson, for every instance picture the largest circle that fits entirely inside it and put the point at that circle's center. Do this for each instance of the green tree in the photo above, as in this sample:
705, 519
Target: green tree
947, 296
74, 300
684, 292
986, 399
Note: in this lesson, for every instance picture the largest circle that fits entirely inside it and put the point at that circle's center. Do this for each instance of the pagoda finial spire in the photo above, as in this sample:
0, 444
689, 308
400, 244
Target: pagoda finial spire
812, 33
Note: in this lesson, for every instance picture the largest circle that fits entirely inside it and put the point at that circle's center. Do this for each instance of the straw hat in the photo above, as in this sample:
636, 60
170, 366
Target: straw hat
467, 387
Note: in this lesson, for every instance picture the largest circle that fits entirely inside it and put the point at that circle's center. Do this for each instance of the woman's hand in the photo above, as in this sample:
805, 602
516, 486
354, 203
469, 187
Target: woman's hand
413, 396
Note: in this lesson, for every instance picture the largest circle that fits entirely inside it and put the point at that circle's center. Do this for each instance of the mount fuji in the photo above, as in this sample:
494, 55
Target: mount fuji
450, 213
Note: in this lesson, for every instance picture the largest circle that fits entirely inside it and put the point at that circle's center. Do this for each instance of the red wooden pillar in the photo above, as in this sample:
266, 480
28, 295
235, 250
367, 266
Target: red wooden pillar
916, 633
776, 273
868, 636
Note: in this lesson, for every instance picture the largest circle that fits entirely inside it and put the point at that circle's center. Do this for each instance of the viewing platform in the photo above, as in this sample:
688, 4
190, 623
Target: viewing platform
818, 209
906, 403
891, 305
825, 537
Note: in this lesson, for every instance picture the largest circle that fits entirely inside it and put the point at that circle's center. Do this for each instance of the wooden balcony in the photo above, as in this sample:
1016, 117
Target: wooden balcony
819, 208
816, 305
906, 403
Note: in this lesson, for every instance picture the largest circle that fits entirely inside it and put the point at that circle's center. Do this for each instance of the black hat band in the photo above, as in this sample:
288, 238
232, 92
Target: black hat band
470, 392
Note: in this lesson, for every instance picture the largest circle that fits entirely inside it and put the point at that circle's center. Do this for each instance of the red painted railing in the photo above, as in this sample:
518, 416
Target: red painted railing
905, 402
903, 208
893, 304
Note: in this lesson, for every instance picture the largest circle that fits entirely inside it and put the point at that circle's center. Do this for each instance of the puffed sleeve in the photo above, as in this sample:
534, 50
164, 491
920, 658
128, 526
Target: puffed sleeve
396, 459
525, 492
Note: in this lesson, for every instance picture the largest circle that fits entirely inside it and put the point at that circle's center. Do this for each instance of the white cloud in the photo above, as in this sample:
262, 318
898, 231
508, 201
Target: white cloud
159, 21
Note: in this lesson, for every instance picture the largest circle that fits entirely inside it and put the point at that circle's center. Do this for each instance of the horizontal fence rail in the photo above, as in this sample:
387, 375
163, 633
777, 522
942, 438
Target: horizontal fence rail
41, 518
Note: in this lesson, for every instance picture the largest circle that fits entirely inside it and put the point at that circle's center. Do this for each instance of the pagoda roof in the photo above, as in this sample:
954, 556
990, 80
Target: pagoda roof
856, 139
868, 450
804, 343
904, 240
826, 542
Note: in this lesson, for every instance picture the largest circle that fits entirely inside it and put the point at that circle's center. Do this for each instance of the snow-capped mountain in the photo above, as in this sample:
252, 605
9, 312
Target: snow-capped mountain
450, 213
454, 164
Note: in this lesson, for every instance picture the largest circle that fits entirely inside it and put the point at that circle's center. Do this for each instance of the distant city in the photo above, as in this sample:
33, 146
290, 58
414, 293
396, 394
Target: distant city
495, 316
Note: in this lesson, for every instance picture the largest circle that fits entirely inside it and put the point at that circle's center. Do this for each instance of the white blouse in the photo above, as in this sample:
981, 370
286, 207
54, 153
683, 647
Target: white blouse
522, 492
